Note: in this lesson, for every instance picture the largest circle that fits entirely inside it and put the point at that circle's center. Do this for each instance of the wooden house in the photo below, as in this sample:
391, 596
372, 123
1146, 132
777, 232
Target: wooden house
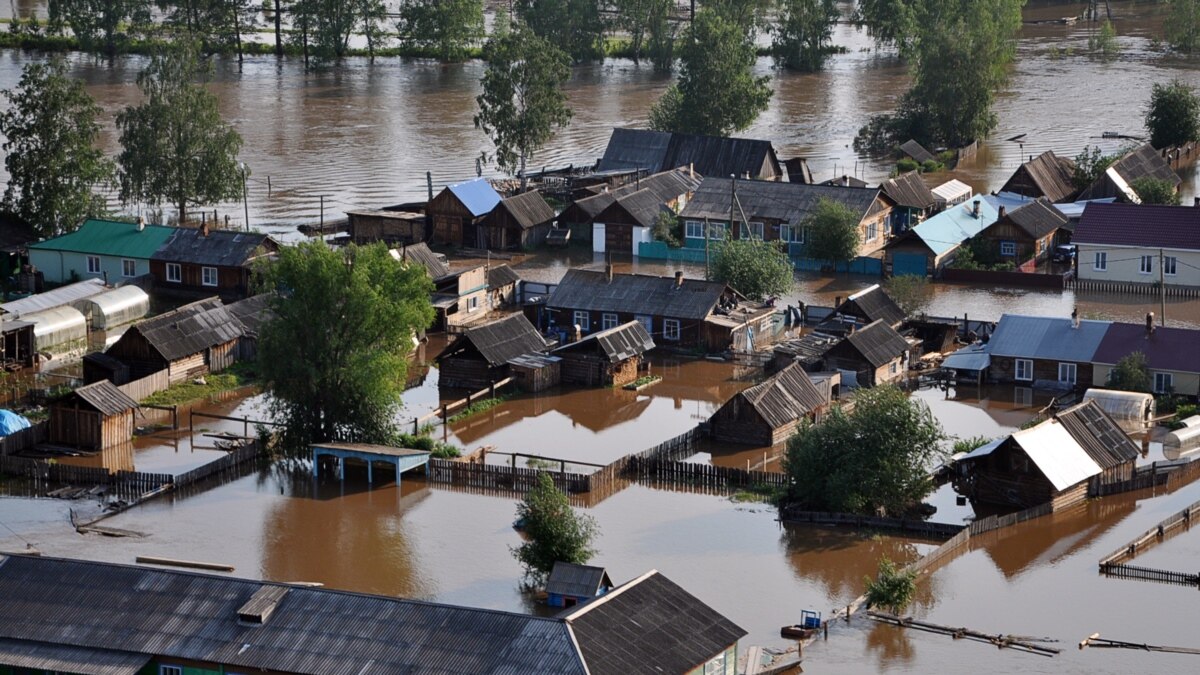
876, 352
932, 244
201, 262
93, 417
99, 249
913, 199
478, 357
664, 191
1044, 351
1023, 234
610, 357
520, 222
16, 345
186, 342
770, 412
502, 282
657, 151
571, 584
1117, 180
1046, 175
867, 306
458, 213
460, 299
391, 226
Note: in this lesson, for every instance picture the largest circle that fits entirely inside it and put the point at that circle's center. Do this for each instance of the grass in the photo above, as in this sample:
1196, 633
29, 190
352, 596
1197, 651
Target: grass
644, 380
482, 405
766, 494
239, 375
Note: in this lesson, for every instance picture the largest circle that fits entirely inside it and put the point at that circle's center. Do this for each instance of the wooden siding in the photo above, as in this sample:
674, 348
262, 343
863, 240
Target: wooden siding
453, 223
75, 426
536, 379
187, 367
738, 422
868, 375
689, 331
232, 282
366, 228
504, 233
1004, 369
469, 371
1004, 230
592, 370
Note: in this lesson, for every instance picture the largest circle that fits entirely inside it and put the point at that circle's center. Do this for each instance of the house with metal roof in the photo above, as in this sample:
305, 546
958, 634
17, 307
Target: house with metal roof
1044, 351
571, 584
1172, 355
1046, 175
932, 244
655, 151
99, 249
194, 339
520, 222
913, 199
860, 309
93, 417
875, 352
611, 357
1117, 180
630, 211
202, 262
1025, 234
1123, 244
479, 356
458, 213
771, 411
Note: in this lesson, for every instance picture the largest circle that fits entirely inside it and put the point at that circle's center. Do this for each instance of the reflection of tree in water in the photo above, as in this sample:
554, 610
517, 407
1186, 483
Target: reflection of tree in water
889, 644
839, 559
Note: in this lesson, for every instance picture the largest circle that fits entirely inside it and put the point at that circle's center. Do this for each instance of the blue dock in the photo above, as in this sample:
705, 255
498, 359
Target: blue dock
404, 459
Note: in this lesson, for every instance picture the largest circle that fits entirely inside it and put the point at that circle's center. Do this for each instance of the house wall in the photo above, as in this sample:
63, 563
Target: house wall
1124, 265
689, 330
365, 229
133, 349
879, 214
1007, 477
81, 427
537, 379
232, 282
468, 371
738, 422
187, 367
453, 224
1027, 247
591, 369
57, 266
1004, 369
1187, 384
868, 375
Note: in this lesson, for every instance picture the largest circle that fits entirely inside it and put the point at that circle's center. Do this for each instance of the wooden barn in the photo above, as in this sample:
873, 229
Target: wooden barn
93, 417
502, 282
478, 357
1046, 175
571, 584
391, 226
520, 222
771, 411
864, 307
459, 213
535, 372
611, 357
877, 353
192, 340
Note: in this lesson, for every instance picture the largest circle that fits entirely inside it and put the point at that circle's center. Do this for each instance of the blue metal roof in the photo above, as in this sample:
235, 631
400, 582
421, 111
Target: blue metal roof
971, 357
955, 225
477, 195
1050, 338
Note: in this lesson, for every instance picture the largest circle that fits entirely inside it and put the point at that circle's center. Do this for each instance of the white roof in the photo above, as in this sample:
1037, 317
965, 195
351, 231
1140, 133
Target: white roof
1056, 454
951, 190
985, 449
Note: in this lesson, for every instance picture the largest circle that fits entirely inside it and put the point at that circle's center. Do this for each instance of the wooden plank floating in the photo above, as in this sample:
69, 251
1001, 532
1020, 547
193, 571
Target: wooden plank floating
193, 564
1018, 642
1095, 641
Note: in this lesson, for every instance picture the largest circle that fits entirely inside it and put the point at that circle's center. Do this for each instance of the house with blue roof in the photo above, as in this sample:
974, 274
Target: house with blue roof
459, 213
931, 245
1044, 351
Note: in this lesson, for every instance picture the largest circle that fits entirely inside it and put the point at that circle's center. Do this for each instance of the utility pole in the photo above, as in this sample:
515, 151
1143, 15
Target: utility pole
1162, 289
732, 201
707, 236
245, 200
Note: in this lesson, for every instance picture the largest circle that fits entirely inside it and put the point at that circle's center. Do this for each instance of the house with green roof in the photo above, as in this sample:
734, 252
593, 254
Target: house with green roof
99, 249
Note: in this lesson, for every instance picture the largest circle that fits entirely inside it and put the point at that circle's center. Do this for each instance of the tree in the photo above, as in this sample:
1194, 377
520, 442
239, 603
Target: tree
873, 459
1183, 25
1104, 44
446, 27
174, 146
522, 101
892, 588
666, 229
890, 22
1130, 374
831, 231
54, 166
910, 291
754, 268
1152, 190
100, 25
333, 354
716, 93
574, 26
749, 14
555, 533
1173, 115
803, 33
649, 27
1090, 165
323, 28
215, 24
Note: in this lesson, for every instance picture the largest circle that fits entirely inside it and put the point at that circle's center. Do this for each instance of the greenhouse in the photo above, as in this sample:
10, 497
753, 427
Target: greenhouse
59, 331
1186, 436
115, 308
1127, 408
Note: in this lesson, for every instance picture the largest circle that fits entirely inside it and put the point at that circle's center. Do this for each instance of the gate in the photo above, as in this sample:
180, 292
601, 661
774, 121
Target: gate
909, 263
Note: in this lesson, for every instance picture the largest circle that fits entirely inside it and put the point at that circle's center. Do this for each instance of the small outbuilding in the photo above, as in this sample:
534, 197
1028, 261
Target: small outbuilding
16, 345
877, 353
192, 340
458, 213
93, 417
771, 411
952, 192
866, 306
535, 372
1130, 409
502, 283
478, 357
115, 308
611, 357
61, 330
519, 222
571, 584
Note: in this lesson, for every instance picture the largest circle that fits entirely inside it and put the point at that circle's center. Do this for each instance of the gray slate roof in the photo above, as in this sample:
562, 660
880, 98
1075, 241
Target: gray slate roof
617, 343
1044, 337
1048, 175
643, 207
420, 252
190, 329
220, 248
1099, 436
1141, 162
784, 397
105, 397
582, 581
786, 202
871, 304
502, 340
252, 312
910, 190
39, 656
636, 294
1037, 218
656, 151
878, 343
917, 151
528, 209
666, 186
501, 275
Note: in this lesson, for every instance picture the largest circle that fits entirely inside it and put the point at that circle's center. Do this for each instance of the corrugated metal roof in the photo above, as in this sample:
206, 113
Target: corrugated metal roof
1138, 225
877, 342
656, 151
1060, 459
477, 195
872, 304
1099, 436
581, 581
107, 237
1044, 337
910, 190
189, 329
971, 357
105, 397
635, 294
63, 295
786, 202
528, 209
502, 340
1037, 218
784, 397
950, 228
1046, 175
67, 659
952, 190
917, 151
617, 343
1171, 349
219, 248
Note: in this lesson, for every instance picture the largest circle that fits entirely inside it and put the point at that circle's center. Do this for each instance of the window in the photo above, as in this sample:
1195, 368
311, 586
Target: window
1164, 383
1008, 248
693, 229
1169, 265
1066, 373
128, 268
173, 274
1022, 397
93, 263
1024, 369
792, 233
1101, 264
1146, 266
472, 302
872, 230
647, 322
170, 670
893, 367
671, 329
716, 231
208, 276
753, 231
716, 666
608, 321
583, 320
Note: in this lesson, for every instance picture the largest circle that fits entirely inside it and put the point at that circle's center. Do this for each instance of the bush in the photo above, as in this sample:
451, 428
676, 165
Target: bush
907, 164
931, 166
892, 588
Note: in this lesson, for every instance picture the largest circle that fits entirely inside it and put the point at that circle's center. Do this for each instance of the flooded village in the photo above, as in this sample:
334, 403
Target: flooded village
383, 407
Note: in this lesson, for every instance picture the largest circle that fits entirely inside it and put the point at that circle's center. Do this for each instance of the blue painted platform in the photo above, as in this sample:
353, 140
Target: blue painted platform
405, 459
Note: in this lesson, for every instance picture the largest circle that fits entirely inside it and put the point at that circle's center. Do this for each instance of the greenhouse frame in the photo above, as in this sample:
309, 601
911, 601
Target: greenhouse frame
115, 308
59, 331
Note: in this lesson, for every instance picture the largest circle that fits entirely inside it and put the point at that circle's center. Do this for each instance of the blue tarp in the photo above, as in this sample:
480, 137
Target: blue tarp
11, 422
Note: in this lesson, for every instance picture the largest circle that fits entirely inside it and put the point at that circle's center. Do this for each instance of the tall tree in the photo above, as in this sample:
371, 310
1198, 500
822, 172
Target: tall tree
554, 532
755, 268
1130, 374
1173, 115
522, 101
175, 148
648, 24
100, 25
1089, 165
831, 233
575, 26
1183, 25
803, 33
446, 27
322, 28
334, 353
217, 25
749, 14
54, 166
892, 23
716, 93
1151, 190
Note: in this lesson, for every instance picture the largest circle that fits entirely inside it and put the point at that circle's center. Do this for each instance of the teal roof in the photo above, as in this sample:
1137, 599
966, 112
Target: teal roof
955, 225
107, 237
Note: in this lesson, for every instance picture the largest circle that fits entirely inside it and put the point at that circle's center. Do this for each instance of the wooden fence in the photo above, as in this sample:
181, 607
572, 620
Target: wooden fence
919, 527
146, 386
992, 523
25, 438
502, 479
715, 477
223, 465
1170, 476
1150, 574
676, 449
1133, 287
126, 486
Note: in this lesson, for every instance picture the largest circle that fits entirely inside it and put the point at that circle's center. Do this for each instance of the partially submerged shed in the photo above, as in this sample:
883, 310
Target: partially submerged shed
610, 357
194, 339
519, 222
770, 412
16, 345
61, 330
877, 353
480, 356
571, 584
458, 212
93, 417
866, 306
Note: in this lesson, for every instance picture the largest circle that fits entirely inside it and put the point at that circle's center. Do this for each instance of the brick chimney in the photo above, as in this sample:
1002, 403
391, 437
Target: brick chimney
608, 272
975, 209
1002, 212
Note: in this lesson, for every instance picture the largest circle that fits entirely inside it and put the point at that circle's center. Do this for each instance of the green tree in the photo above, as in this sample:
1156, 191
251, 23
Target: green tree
322, 28
1104, 44
1090, 165
333, 354
749, 14
522, 101
803, 33
217, 25
831, 233
1152, 190
754, 268
574, 26
716, 93
1173, 115
648, 24
1130, 374
54, 166
666, 229
911, 292
890, 22
554, 531
446, 27
175, 147
875, 458
100, 25
1183, 25
892, 588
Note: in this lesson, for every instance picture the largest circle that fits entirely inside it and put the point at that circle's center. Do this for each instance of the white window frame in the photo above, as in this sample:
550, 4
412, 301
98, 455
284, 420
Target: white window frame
1008, 248
716, 666
1146, 265
472, 303
717, 231
93, 264
693, 229
204, 272
1101, 261
752, 230
893, 367
872, 230
671, 329
128, 268
1071, 371
1170, 265
170, 670
785, 233
1164, 383
1023, 370
608, 320
582, 319
177, 276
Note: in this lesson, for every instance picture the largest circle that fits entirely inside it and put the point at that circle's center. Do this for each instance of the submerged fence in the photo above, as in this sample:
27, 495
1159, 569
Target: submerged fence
25, 438
1114, 564
123, 485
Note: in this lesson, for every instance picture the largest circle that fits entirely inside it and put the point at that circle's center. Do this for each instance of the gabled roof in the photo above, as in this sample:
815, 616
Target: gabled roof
909, 190
666, 186
877, 342
915, 150
649, 625
635, 149
656, 151
477, 195
950, 228
635, 294
1099, 436
420, 252
1150, 226
785, 397
501, 275
584, 581
1037, 219
1174, 349
1046, 175
643, 208
845, 181
1057, 455
501, 340
617, 344
219, 248
189, 329
57, 297
786, 202
252, 312
40, 656
105, 398
871, 304
528, 209
951, 190
108, 237
1046, 337
1117, 181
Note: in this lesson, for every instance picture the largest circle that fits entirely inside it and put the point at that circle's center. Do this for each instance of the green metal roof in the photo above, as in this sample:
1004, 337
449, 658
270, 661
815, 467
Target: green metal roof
107, 237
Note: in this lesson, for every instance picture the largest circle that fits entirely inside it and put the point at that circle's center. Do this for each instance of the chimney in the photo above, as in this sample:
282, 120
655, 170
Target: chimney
1075, 318
679, 279
691, 170
1196, 201
141, 223
1001, 212
1149, 324
837, 301
975, 209
845, 180
608, 272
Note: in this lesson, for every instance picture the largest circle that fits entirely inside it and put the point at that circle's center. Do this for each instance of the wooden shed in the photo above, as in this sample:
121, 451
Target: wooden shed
386, 225
478, 357
519, 222
610, 357
197, 338
877, 353
571, 584
16, 345
771, 411
93, 417
458, 211
535, 372
502, 282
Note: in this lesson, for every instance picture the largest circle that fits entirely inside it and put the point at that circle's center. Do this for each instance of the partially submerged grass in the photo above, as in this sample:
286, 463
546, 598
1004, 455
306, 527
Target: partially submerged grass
482, 405
240, 375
